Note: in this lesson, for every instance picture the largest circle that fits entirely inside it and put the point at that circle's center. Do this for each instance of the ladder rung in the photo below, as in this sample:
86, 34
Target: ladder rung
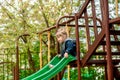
104, 53
115, 32
115, 21
112, 43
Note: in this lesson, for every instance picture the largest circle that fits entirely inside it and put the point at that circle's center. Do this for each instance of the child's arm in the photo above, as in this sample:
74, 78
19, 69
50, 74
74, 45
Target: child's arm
70, 48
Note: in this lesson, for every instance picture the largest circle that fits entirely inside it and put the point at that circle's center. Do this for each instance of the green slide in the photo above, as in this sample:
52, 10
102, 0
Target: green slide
46, 73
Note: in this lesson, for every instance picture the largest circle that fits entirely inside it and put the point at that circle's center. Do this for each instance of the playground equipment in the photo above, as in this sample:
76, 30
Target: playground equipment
104, 30
46, 72
106, 37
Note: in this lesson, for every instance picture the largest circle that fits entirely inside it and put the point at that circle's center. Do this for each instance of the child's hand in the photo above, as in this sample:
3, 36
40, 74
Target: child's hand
66, 55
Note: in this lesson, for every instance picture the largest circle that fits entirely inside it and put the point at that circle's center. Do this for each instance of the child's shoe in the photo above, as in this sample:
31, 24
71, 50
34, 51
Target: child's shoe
59, 56
51, 66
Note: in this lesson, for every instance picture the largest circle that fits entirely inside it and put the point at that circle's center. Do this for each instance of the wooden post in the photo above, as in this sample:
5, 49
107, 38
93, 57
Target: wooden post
105, 21
77, 46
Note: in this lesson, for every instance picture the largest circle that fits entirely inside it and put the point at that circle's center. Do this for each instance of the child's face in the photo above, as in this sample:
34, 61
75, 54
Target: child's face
61, 38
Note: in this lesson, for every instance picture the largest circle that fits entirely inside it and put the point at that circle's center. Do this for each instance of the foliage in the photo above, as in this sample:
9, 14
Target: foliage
18, 17
87, 73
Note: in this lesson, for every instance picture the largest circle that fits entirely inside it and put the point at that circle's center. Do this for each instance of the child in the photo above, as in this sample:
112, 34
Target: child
67, 45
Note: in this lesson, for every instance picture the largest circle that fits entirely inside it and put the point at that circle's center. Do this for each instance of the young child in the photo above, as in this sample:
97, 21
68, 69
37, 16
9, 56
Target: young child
67, 45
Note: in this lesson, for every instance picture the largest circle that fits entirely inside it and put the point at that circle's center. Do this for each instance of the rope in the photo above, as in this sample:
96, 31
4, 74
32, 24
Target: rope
68, 72
116, 8
40, 54
67, 30
48, 46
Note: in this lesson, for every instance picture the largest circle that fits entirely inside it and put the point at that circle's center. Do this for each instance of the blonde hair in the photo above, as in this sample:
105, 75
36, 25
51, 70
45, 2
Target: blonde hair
61, 31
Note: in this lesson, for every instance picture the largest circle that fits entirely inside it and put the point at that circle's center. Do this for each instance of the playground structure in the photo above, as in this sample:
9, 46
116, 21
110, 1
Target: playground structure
103, 44
106, 37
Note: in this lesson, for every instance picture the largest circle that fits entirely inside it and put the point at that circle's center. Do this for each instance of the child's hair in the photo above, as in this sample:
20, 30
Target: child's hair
61, 31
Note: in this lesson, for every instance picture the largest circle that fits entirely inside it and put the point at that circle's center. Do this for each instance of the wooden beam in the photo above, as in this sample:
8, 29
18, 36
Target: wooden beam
93, 47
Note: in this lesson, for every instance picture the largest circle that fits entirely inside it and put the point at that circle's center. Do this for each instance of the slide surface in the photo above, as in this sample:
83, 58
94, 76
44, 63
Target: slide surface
46, 73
